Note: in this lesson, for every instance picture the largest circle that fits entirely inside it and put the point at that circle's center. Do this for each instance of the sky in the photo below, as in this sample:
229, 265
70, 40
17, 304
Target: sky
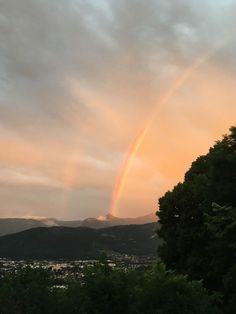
80, 79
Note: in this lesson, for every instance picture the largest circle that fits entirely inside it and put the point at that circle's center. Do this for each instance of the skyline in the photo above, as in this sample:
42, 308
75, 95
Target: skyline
79, 81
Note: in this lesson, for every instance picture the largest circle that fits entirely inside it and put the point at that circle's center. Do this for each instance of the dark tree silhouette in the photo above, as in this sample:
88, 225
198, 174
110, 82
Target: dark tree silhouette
199, 236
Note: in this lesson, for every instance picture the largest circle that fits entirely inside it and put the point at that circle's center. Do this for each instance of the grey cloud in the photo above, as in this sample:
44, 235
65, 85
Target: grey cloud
125, 52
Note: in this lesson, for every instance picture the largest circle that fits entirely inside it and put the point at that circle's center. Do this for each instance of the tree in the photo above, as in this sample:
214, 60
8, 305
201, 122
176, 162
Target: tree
105, 290
211, 179
25, 291
221, 224
164, 292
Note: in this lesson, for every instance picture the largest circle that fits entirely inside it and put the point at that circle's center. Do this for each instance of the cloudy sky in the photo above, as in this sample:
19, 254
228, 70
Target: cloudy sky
79, 79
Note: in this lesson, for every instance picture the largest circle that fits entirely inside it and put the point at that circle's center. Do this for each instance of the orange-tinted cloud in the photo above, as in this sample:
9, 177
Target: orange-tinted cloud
78, 82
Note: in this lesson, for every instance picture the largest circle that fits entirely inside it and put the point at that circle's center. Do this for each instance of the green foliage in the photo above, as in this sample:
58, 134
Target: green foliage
25, 291
165, 292
221, 224
104, 290
211, 179
198, 238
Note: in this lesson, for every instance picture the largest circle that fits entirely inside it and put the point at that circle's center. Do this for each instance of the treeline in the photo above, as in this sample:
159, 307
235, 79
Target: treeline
104, 290
197, 272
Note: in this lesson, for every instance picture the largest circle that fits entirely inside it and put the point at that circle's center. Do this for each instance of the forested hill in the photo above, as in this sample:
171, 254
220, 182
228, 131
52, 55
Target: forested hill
81, 242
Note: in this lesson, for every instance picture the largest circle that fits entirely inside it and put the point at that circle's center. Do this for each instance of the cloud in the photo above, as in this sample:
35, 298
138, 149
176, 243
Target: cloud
77, 80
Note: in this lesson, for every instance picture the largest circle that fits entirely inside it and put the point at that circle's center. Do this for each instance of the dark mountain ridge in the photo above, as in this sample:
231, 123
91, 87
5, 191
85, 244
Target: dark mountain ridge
80, 242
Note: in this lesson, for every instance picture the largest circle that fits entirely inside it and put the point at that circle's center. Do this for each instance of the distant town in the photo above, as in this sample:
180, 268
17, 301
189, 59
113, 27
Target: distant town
75, 268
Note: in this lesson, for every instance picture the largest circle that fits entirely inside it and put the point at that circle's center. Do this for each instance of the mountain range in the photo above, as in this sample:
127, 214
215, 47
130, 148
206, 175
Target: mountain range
14, 225
80, 242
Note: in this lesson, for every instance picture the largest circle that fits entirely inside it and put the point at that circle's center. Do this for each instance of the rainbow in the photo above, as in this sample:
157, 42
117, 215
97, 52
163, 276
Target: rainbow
124, 171
133, 150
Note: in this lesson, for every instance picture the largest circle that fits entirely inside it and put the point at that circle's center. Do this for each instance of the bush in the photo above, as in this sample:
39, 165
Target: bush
104, 290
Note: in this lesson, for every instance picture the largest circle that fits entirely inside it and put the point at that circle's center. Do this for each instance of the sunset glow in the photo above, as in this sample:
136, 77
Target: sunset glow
105, 104
121, 179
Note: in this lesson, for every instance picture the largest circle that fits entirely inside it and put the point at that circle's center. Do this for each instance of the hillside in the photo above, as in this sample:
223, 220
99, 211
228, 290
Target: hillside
81, 242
